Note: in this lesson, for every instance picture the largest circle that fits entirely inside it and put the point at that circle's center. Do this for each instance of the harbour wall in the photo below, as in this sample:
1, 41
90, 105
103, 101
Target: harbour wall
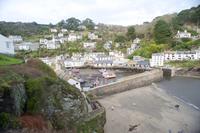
127, 83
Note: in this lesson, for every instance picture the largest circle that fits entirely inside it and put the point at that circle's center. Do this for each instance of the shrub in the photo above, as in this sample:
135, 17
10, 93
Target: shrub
38, 64
186, 39
7, 60
8, 121
36, 89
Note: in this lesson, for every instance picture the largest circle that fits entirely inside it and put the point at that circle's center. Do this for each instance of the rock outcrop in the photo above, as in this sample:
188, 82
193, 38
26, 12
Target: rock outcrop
32, 96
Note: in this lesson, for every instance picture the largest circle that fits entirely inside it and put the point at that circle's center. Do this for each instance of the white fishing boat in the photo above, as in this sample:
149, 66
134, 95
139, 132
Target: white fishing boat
108, 74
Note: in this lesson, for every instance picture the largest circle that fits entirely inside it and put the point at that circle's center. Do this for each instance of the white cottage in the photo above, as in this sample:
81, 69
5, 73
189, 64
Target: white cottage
6, 45
108, 45
157, 59
184, 34
133, 47
52, 45
74, 37
53, 30
136, 41
15, 38
92, 36
27, 46
73, 63
89, 45
64, 30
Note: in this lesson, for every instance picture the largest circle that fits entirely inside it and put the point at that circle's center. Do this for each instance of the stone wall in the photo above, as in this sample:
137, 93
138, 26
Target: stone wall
127, 83
94, 121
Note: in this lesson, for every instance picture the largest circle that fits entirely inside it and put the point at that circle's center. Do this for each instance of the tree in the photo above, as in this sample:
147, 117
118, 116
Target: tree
147, 50
72, 23
131, 33
120, 39
51, 25
61, 24
162, 32
88, 23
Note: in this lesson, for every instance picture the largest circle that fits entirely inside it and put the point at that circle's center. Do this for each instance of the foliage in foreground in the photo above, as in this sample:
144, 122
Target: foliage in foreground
7, 60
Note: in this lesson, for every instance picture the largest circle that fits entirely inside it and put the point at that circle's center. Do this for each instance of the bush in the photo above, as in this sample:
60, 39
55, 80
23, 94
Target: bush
186, 39
7, 60
34, 89
38, 64
147, 50
35, 92
8, 121
185, 63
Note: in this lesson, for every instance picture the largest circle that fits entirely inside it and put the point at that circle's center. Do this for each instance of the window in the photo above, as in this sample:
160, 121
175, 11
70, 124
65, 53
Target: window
8, 45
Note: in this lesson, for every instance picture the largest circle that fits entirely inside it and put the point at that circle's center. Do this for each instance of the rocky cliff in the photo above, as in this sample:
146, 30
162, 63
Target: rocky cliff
32, 97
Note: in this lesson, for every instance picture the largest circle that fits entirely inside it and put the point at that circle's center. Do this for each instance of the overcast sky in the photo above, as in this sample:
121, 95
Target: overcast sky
120, 12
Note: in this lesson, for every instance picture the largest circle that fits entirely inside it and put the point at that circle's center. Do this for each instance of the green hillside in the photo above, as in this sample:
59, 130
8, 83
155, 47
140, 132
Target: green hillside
7, 60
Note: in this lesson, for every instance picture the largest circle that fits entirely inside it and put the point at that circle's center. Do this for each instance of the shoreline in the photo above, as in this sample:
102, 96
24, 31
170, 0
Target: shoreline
150, 107
185, 72
179, 99
187, 76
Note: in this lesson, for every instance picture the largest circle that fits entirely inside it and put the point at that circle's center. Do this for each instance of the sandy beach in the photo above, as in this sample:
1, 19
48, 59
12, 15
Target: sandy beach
149, 110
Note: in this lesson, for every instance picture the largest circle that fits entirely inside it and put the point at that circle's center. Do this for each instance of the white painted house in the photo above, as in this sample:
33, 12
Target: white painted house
68, 63
158, 59
74, 37
27, 46
136, 41
133, 47
108, 45
43, 41
103, 61
116, 54
60, 34
64, 30
15, 38
92, 36
75, 83
53, 30
184, 34
52, 45
89, 45
180, 55
6, 45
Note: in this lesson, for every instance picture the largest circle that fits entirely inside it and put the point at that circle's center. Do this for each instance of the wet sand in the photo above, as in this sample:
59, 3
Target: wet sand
152, 109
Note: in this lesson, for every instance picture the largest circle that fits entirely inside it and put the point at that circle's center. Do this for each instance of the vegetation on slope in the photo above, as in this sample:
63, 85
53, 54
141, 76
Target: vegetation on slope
8, 60
32, 94
185, 64
162, 32
26, 30
147, 48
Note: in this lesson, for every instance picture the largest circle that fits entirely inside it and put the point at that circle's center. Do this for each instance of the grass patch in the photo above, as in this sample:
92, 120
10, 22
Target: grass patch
7, 60
185, 63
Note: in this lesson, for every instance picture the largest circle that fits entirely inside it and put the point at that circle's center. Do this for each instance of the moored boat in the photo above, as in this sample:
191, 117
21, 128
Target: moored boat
108, 74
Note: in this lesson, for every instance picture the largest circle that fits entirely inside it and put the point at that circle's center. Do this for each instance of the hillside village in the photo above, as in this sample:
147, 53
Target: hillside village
59, 77
88, 43
73, 44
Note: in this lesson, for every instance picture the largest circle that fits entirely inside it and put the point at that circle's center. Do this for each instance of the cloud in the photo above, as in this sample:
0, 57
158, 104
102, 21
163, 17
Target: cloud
123, 12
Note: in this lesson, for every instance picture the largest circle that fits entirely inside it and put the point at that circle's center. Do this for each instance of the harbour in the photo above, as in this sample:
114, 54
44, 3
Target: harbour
90, 78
